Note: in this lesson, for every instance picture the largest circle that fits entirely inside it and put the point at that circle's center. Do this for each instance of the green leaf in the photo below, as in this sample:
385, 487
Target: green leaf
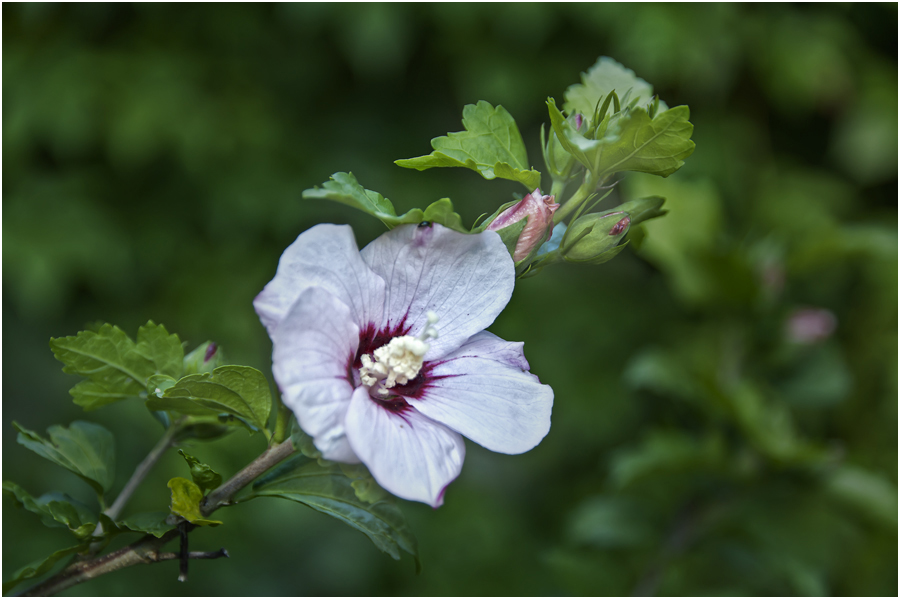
634, 143
491, 145
85, 448
304, 443
113, 363
606, 76
55, 510
241, 391
153, 523
663, 453
442, 212
325, 488
186, 498
608, 522
205, 477
40, 567
164, 350
363, 483
344, 188
871, 494
510, 235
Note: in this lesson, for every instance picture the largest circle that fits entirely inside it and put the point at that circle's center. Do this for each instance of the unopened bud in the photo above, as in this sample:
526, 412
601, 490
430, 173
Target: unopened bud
205, 358
538, 209
594, 237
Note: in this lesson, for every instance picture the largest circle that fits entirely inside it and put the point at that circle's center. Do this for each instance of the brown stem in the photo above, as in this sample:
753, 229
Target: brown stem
147, 549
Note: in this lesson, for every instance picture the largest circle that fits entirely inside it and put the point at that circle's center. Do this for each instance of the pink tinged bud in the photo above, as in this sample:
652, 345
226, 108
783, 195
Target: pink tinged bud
578, 121
539, 210
810, 325
210, 352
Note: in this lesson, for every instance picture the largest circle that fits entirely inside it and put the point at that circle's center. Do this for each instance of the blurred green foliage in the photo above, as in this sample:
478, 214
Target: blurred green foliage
709, 435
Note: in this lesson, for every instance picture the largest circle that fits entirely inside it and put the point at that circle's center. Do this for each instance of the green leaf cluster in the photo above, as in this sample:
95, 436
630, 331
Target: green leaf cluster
491, 145
203, 476
55, 510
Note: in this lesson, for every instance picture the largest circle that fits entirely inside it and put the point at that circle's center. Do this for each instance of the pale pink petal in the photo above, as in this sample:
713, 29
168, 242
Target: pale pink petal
408, 454
324, 256
466, 280
482, 390
314, 345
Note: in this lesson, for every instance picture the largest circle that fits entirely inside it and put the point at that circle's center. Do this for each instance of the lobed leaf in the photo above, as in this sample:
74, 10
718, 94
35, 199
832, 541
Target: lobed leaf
600, 81
491, 145
116, 367
240, 391
635, 142
324, 487
85, 448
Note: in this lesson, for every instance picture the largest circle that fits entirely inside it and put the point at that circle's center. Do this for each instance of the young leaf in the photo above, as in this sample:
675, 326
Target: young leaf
206, 357
344, 188
112, 362
205, 477
491, 145
442, 212
40, 566
85, 448
186, 497
241, 391
634, 143
165, 351
153, 523
658, 146
605, 76
326, 489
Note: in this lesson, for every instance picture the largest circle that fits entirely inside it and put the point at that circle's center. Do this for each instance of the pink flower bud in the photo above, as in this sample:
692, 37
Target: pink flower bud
539, 209
806, 326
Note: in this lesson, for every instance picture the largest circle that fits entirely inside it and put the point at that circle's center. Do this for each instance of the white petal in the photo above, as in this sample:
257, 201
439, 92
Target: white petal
488, 396
314, 345
324, 256
408, 454
466, 280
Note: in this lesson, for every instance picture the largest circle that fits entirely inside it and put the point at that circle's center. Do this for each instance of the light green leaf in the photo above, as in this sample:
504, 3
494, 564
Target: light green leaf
205, 477
241, 391
662, 453
606, 76
510, 234
85, 448
40, 566
635, 142
325, 488
344, 188
186, 498
303, 442
165, 351
112, 362
608, 522
442, 212
153, 523
491, 145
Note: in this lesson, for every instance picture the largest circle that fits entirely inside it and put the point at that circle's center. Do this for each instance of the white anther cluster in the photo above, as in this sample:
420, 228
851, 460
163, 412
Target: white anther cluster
399, 361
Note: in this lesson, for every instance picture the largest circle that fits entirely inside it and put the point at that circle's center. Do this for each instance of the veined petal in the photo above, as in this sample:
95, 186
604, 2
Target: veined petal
466, 280
408, 454
314, 345
324, 256
482, 390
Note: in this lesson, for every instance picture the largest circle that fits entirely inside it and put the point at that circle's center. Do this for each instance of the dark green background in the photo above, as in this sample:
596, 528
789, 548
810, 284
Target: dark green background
153, 159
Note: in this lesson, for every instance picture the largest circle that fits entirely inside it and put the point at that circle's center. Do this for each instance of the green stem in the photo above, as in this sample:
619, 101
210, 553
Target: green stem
577, 198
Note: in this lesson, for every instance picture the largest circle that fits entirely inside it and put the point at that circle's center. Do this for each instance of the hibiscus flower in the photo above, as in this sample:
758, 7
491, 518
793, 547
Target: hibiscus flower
383, 357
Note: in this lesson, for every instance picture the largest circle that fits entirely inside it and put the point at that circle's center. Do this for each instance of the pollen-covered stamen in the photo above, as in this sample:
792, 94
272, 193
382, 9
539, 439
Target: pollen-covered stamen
399, 361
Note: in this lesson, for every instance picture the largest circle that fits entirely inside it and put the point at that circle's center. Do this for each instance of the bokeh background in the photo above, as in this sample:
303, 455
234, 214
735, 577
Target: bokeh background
726, 395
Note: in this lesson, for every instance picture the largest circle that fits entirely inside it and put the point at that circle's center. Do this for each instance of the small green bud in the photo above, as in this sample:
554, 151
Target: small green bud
594, 238
643, 209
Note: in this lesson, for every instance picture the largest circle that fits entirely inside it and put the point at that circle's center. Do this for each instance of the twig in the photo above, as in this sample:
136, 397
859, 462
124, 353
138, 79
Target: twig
147, 549
140, 473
